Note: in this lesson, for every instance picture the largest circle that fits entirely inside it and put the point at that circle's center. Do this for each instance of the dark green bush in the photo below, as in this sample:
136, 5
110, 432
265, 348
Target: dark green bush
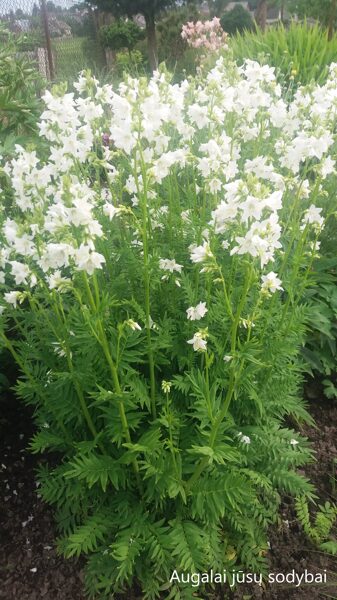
121, 34
237, 20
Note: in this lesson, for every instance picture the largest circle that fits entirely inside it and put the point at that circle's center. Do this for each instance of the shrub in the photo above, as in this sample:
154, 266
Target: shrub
155, 272
121, 34
207, 35
236, 20
171, 47
32, 40
20, 84
129, 62
300, 53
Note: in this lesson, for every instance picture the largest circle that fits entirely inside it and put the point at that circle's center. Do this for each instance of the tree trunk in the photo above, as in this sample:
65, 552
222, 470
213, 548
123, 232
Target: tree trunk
261, 14
151, 40
282, 10
332, 19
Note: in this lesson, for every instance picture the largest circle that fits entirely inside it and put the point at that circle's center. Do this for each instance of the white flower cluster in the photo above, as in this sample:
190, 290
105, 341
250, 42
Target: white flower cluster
248, 151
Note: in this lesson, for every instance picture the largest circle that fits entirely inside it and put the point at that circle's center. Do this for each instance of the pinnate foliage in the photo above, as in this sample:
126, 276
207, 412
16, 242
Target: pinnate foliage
153, 269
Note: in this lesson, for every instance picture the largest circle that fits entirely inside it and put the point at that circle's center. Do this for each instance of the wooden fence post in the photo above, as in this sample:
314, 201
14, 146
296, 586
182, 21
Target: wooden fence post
47, 36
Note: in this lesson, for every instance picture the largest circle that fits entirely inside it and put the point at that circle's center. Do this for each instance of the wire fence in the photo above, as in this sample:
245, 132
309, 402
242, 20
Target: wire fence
60, 37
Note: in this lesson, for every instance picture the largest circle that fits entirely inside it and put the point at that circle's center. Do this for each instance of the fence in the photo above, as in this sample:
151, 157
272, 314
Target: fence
61, 36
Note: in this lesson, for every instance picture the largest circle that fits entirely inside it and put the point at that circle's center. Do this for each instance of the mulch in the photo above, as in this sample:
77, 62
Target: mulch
30, 568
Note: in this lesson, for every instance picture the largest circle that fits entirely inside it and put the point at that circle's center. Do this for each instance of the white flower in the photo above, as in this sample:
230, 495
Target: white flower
294, 442
195, 313
198, 341
327, 167
313, 216
133, 325
271, 283
261, 240
88, 260
186, 216
198, 115
56, 281
304, 190
252, 208
162, 165
246, 323
245, 439
215, 185
169, 265
223, 215
20, 272
227, 358
12, 298
111, 211
59, 350
166, 386
55, 256
199, 254
123, 137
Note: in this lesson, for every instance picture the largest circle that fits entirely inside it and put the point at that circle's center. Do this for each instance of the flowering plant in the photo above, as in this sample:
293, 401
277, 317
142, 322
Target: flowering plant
205, 34
153, 265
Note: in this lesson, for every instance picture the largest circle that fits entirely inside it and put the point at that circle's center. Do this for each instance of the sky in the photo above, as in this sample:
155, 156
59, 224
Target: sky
27, 5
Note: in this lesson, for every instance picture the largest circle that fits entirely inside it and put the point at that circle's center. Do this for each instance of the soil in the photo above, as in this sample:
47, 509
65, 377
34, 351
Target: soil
30, 568
290, 549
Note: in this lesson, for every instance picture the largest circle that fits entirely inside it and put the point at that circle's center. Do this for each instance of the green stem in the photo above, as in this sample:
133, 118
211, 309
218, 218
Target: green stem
172, 448
240, 308
224, 288
101, 337
147, 288
231, 386
78, 388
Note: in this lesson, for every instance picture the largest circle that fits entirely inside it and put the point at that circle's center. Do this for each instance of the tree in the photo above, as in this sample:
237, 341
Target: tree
262, 6
261, 14
121, 34
172, 46
50, 6
323, 10
35, 10
217, 7
129, 8
236, 20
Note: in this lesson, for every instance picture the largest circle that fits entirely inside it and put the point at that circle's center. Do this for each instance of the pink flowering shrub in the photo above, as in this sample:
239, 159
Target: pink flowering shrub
207, 34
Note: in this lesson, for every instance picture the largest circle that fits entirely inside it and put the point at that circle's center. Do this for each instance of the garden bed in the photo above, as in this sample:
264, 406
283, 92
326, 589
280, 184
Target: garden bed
31, 570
